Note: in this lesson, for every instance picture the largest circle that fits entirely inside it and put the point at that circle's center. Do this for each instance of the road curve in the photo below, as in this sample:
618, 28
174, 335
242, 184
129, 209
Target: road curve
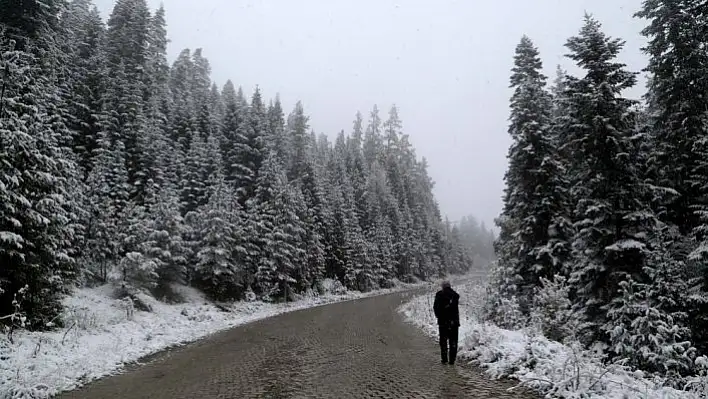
354, 349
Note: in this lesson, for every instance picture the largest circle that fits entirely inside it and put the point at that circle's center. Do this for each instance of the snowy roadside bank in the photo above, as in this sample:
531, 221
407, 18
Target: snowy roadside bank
101, 336
559, 370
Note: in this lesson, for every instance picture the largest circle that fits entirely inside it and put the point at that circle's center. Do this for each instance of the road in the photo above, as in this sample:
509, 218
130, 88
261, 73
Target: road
355, 349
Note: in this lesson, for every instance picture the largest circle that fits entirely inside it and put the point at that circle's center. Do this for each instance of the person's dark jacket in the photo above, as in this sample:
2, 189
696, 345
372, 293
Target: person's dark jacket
446, 307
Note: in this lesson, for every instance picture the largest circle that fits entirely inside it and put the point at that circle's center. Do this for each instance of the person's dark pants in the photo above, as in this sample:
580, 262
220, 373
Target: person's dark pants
448, 341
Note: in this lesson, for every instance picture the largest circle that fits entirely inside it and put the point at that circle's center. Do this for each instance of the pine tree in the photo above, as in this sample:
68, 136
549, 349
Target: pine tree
297, 131
183, 120
127, 43
107, 186
373, 139
164, 244
157, 70
677, 64
377, 226
216, 107
201, 92
304, 174
88, 76
159, 155
127, 37
135, 270
279, 231
647, 324
246, 155
26, 22
220, 258
277, 141
399, 163
677, 156
356, 164
34, 215
350, 251
315, 215
194, 184
234, 116
535, 196
612, 216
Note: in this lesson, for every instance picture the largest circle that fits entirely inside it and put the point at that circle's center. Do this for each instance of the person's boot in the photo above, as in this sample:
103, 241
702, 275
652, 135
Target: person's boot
443, 356
453, 354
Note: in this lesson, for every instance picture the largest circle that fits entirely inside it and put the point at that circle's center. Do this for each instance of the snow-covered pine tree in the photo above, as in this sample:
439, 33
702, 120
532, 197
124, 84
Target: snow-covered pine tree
304, 174
160, 156
297, 129
647, 324
34, 211
278, 140
55, 53
356, 165
123, 120
127, 42
183, 119
134, 269
279, 231
535, 194
211, 170
220, 259
373, 138
613, 219
87, 65
244, 127
107, 193
315, 217
164, 242
506, 247
157, 70
201, 87
333, 168
380, 205
677, 66
210, 176
193, 185
398, 175
426, 213
249, 147
233, 115
460, 258
345, 230
336, 259
127, 37
216, 109
557, 92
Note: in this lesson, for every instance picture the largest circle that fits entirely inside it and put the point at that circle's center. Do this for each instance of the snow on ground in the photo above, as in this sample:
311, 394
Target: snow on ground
100, 336
559, 370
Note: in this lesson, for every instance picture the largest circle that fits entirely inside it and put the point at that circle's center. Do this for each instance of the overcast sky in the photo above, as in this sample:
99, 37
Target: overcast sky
444, 63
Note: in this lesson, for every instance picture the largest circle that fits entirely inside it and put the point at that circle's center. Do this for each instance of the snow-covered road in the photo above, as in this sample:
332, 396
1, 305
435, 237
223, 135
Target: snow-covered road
354, 349
101, 338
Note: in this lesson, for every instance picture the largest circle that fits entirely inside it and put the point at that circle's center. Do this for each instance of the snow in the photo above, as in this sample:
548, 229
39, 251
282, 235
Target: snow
625, 245
101, 335
11, 238
558, 370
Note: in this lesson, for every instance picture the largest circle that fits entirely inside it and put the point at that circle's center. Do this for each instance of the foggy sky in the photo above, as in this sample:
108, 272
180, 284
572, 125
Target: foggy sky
444, 63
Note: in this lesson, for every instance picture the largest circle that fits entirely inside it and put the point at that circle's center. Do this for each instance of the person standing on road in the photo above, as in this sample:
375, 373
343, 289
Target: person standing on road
448, 314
